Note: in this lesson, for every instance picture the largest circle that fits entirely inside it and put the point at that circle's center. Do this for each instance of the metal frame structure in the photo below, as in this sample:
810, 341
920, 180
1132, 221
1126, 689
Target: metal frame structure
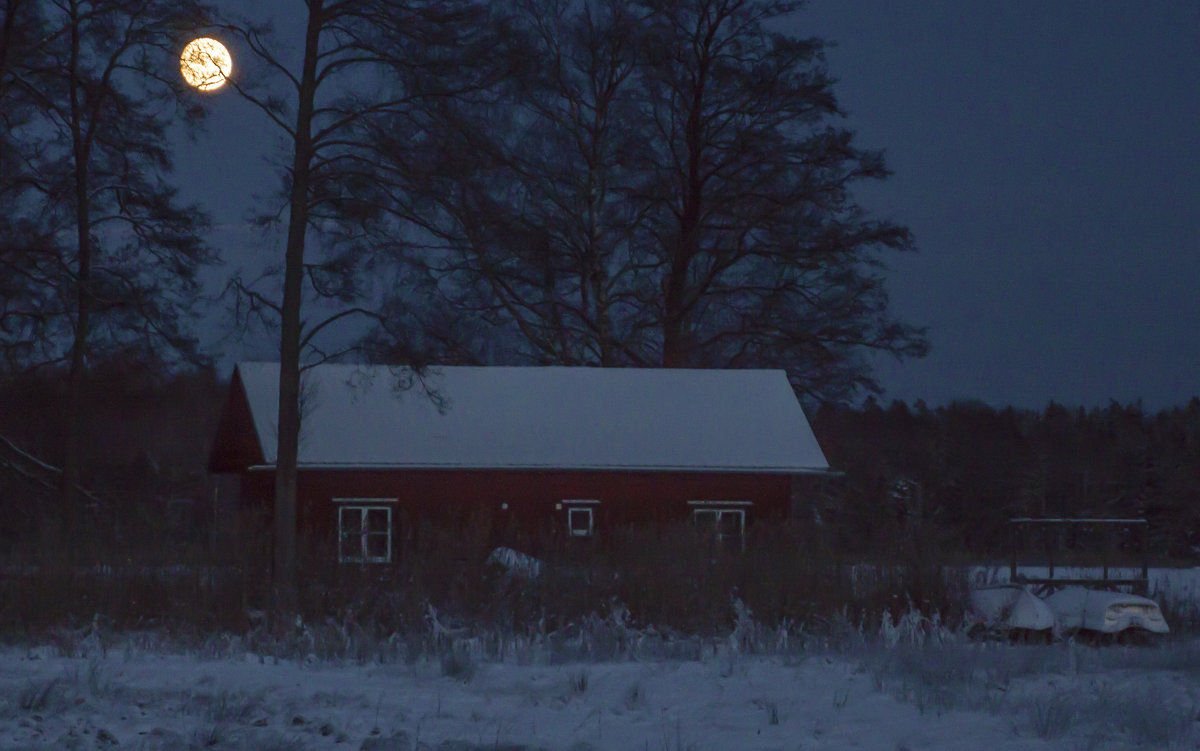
1019, 525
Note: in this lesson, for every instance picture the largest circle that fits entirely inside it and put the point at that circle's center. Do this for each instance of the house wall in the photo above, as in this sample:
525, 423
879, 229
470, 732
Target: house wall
531, 496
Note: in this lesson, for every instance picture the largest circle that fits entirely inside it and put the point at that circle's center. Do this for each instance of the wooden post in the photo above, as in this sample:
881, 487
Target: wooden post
1105, 543
1046, 531
1145, 587
1013, 539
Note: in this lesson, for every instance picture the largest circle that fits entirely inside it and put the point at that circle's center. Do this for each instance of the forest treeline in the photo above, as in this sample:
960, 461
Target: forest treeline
917, 481
145, 436
953, 476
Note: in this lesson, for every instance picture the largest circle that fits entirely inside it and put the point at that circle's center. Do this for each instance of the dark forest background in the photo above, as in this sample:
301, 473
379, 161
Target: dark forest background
945, 478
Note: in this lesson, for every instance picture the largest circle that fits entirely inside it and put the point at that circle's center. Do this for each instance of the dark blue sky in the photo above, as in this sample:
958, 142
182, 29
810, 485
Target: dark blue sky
1046, 156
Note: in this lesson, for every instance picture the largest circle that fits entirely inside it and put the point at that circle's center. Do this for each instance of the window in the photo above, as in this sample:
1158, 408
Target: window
724, 520
579, 521
364, 534
581, 518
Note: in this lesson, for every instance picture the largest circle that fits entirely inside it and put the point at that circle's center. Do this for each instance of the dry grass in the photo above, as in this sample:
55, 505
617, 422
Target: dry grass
780, 592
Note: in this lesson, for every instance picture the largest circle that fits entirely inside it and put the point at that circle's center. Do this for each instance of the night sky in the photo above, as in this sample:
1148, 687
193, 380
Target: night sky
1046, 156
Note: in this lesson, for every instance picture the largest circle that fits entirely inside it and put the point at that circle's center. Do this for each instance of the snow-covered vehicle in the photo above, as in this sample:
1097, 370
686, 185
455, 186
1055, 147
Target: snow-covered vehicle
1101, 612
1009, 610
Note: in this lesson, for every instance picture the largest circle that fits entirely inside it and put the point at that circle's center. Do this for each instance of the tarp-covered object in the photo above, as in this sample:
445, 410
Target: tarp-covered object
541, 418
1081, 609
1004, 607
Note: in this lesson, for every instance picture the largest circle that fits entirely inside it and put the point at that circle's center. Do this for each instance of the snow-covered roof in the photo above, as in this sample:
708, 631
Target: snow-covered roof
541, 418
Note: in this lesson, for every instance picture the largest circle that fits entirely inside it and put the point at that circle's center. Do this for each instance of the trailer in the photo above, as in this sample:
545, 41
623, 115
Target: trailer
1112, 606
1052, 531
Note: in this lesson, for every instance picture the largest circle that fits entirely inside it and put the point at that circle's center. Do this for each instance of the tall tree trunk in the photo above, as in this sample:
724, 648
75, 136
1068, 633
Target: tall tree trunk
7, 35
675, 351
288, 446
676, 305
73, 403
593, 284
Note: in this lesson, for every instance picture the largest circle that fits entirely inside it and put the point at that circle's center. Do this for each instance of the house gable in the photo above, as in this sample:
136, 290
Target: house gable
236, 445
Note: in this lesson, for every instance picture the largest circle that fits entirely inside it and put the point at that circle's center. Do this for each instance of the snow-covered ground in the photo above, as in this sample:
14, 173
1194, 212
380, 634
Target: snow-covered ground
901, 698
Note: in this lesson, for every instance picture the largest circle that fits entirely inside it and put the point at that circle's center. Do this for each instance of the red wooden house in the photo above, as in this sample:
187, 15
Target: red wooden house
577, 449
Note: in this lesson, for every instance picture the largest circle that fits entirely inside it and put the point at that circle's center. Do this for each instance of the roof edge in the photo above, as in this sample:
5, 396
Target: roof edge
557, 468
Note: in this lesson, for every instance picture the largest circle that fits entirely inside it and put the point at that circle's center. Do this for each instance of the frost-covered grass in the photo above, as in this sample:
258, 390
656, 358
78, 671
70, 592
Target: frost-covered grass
1117, 697
812, 654
158, 701
911, 684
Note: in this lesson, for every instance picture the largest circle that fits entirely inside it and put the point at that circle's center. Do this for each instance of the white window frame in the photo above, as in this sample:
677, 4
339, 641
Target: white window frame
363, 506
719, 509
579, 506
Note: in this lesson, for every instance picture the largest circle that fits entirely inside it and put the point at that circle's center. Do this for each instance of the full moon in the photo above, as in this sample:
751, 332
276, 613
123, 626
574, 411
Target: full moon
205, 64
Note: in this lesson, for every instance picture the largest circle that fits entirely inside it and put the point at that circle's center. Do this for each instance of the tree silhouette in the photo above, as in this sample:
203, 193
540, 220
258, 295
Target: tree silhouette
363, 60
105, 254
668, 186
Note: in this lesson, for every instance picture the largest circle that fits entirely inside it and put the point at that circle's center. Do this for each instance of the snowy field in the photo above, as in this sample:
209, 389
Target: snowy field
913, 685
938, 696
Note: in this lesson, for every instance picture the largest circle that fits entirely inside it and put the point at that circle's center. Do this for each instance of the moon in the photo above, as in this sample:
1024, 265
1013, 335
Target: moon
205, 64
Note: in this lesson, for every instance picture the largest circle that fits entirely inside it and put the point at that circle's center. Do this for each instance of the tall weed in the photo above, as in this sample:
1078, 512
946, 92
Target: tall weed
654, 591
